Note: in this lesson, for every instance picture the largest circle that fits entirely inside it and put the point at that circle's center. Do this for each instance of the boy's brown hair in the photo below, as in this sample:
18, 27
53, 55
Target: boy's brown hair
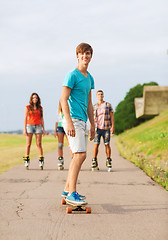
83, 47
100, 91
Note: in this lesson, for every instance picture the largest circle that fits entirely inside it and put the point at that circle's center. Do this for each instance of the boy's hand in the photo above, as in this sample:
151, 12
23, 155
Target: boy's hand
112, 130
92, 132
70, 129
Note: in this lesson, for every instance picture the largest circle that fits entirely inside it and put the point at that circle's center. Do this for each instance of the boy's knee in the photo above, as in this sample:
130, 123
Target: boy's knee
81, 156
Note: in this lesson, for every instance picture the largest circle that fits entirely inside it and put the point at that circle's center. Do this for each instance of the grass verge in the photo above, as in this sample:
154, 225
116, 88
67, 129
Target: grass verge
12, 149
147, 147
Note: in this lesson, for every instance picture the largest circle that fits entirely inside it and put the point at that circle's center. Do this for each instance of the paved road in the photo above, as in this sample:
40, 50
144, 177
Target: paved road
126, 204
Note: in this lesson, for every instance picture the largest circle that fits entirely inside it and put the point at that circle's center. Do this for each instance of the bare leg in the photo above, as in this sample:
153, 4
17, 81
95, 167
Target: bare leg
95, 150
69, 148
38, 142
108, 150
60, 140
28, 143
73, 173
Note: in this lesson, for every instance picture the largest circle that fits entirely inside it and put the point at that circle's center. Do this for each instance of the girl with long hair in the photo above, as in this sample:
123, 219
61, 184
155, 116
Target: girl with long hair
34, 124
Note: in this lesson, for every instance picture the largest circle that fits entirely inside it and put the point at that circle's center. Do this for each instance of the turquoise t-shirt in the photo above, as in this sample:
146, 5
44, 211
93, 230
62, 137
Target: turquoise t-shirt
79, 96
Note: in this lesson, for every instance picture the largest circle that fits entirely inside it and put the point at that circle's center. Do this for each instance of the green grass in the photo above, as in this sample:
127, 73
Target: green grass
147, 146
12, 149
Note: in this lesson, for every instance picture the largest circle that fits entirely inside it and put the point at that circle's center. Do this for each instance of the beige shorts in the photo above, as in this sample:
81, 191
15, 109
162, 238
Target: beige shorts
79, 142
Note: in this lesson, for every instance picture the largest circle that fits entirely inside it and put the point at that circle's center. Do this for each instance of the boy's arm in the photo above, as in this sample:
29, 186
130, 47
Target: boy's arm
64, 103
91, 117
112, 121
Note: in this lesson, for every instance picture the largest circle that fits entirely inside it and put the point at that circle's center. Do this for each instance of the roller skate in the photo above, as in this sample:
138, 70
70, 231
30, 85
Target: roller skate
26, 162
41, 162
94, 164
60, 163
108, 164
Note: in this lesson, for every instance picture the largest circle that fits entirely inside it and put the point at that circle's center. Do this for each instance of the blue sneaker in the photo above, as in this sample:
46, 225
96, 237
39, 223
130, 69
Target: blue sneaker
65, 194
81, 196
75, 200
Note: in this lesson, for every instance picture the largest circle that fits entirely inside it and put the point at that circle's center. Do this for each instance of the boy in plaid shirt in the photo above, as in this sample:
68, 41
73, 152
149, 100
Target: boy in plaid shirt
104, 121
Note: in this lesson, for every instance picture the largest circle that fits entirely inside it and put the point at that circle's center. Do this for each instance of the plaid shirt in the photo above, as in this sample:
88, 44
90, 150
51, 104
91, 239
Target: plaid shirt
107, 118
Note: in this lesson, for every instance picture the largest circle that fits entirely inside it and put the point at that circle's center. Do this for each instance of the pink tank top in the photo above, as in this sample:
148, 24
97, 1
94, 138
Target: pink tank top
100, 116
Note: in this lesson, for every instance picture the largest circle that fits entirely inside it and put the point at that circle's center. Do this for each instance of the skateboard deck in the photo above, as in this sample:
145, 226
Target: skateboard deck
75, 208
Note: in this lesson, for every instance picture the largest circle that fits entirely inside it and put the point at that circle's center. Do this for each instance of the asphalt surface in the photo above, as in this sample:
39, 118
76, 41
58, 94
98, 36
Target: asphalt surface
126, 204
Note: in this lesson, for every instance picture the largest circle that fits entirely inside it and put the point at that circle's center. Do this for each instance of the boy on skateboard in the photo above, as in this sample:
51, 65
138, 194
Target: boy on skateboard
104, 121
77, 106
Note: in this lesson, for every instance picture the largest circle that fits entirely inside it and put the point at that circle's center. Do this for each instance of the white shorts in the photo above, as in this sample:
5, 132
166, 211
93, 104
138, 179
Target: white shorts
79, 142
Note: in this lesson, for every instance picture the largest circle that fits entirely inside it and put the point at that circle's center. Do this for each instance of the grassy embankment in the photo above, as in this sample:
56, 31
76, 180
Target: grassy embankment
12, 149
147, 146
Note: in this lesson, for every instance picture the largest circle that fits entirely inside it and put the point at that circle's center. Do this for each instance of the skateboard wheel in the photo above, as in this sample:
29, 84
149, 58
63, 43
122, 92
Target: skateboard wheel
88, 210
63, 201
69, 210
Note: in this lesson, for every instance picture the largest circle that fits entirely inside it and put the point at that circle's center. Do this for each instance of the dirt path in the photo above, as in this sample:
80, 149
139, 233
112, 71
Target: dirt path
126, 204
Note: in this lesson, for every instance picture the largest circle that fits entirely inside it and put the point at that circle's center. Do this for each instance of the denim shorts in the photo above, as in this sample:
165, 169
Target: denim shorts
78, 143
36, 129
102, 133
60, 130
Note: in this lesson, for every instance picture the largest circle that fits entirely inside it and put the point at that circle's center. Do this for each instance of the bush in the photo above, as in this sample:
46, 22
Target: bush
124, 115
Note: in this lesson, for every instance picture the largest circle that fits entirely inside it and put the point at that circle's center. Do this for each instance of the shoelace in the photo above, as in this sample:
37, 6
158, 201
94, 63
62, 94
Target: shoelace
76, 196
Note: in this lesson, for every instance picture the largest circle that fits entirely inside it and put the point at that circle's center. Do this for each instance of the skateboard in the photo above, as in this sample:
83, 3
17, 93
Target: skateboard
75, 208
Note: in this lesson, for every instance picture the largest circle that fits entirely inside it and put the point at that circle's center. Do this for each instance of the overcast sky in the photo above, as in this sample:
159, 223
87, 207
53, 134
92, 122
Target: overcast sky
38, 39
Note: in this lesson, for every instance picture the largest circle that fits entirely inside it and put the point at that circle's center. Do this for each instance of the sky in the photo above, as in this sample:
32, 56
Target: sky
38, 40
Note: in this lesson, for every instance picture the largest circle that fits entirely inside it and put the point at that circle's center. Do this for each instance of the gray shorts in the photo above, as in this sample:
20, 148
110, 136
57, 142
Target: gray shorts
79, 142
36, 129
